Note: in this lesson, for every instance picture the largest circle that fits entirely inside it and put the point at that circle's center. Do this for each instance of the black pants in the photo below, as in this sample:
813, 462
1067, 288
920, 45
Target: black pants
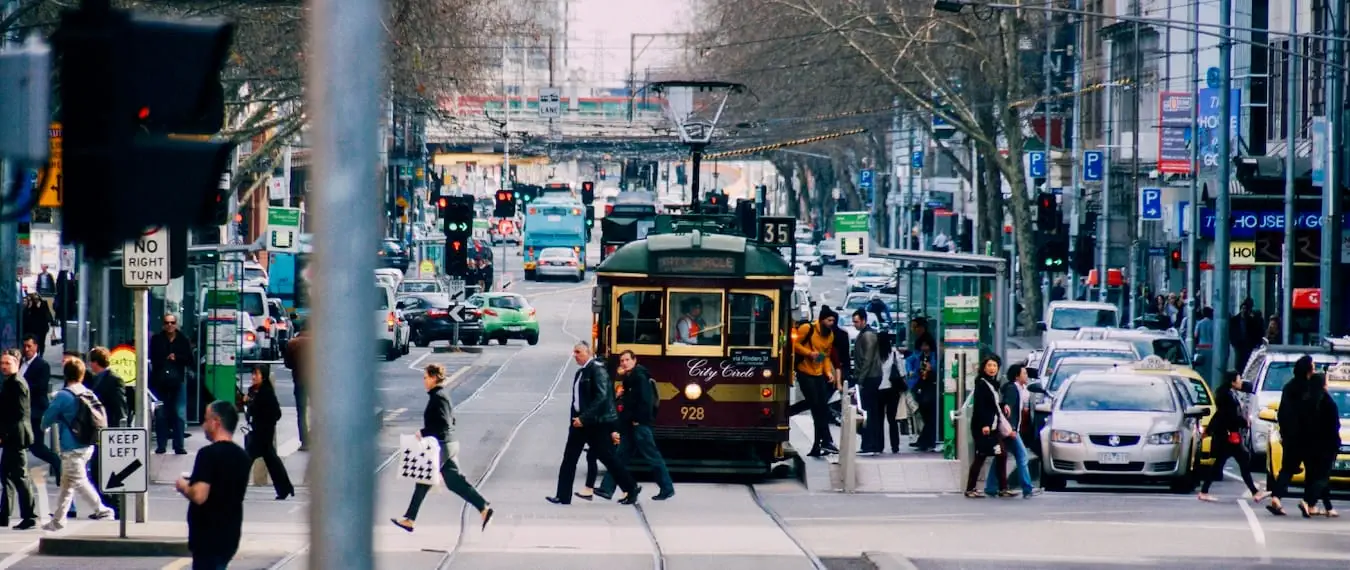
210, 561
263, 445
1222, 451
1317, 479
14, 469
1290, 464
454, 480
592, 470
890, 406
639, 440
977, 464
873, 435
602, 447
40, 449
927, 435
816, 392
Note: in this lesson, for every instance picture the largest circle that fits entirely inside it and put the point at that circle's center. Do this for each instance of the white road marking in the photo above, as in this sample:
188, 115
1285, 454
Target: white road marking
413, 365
1258, 533
72, 529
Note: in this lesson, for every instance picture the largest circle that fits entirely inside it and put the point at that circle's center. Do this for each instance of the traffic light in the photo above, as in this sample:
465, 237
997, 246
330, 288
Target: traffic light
1047, 213
590, 217
506, 204
1054, 254
128, 83
1176, 258
1085, 252
587, 192
747, 219
458, 226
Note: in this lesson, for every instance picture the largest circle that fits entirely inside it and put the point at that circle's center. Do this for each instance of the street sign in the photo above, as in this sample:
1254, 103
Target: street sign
1319, 151
777, 231
283, 227
50, 196
1036, 163
865, 178
1212, 78
455, 289
550, 102
916, 159
1094, 162
122, 361
1150, 204
276, 188
851, 229
145, 262
456, 313
123, 453
427, 269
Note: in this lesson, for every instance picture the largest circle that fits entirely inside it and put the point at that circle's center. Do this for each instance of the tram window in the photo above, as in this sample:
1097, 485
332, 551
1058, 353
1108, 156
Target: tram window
639, 319
695, 319
751, 320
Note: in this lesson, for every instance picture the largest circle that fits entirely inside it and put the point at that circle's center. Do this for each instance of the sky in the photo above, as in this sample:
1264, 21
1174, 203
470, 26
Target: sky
602, 31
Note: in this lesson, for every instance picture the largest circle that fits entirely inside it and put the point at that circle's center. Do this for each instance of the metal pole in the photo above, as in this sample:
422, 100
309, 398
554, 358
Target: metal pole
1001, 319
906, 216
1045, 138
1076, 185
1104, 221
697, 158
848, 435
1331, 186
344, 75
81, 303
1223, 223
1193, 212
1292, 80
9, 257
141, 308
286, 176
1138, 249
892, 204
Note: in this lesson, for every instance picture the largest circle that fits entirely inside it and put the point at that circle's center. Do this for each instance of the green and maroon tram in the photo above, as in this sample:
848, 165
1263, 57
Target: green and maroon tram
707, 312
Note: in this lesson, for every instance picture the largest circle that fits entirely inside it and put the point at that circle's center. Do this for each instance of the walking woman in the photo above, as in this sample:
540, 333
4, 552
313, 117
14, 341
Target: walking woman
1323, 433
1226, 438
438, 421
264, 411
988, 427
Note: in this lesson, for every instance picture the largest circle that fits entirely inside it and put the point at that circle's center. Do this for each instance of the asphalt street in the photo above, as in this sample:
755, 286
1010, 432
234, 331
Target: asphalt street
511, 406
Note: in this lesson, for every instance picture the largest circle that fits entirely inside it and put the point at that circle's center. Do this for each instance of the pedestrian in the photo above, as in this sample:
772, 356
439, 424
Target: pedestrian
38, 320
294, 357
170, 361
108, 388
1290, 421
16, 435
592, 474
924, 389
988, 427
893, 388
76, 414
1322, 423
1015, 400
843, 373
38, 375
438, 421
1247, 332
593, 414
215, 491
263, 412
813, 344
1226, 439
639, 410
868, 371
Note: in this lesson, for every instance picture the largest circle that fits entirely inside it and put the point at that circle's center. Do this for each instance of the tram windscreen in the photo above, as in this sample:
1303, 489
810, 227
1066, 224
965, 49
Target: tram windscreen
696, 318
639, 318
751, 316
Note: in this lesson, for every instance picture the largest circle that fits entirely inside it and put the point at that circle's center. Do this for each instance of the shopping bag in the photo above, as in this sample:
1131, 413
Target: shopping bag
421, 459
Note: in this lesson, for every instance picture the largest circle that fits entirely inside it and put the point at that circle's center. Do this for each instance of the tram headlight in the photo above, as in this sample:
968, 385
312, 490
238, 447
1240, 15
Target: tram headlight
693, 391
767, 373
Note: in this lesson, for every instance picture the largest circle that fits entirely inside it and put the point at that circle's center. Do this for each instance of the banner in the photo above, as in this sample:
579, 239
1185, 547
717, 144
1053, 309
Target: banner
1174, 125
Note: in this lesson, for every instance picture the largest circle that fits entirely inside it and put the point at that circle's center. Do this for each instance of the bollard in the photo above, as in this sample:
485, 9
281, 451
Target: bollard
848, 445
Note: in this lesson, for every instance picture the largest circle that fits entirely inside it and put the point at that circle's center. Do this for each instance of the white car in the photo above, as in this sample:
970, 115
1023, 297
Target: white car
857, 301
389, 276
829, 251
872, 277
391, 329
803, 234
809, 256
560, 262
1064, 318
254, 275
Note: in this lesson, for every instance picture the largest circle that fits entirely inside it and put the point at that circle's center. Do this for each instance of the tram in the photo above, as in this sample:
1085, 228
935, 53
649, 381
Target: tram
707, 312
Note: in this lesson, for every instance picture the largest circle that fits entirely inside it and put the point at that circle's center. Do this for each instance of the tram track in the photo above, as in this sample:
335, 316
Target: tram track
782, 525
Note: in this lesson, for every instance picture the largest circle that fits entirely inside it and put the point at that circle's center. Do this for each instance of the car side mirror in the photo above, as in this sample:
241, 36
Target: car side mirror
1196, 412
400, 305
1036, 388
1033, 373
1042, 408
1269, 415
1040, 326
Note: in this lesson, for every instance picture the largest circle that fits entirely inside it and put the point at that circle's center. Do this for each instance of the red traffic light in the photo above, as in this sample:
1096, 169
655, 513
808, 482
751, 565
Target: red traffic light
503, 196
443, 202
1047, 201
587, 186
1176, 255
457, 245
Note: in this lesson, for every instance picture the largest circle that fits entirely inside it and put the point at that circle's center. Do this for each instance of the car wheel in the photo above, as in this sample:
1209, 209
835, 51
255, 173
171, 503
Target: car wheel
391, 354
1053, 482
420, 340
501, 340
1183, 485
533, 339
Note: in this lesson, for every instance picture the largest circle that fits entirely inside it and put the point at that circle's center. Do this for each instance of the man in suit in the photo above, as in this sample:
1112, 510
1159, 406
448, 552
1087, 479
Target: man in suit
108, 388
593, 423
38, 374
16, 435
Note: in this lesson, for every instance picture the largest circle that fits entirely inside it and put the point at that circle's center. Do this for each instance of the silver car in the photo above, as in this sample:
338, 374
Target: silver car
1118, 425
560, 262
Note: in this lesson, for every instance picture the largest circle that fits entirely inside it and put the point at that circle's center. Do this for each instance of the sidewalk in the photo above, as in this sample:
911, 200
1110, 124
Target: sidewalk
906, 472
164, 538
168, 467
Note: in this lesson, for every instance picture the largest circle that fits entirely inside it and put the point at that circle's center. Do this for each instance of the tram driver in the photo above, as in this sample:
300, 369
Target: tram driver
690, 324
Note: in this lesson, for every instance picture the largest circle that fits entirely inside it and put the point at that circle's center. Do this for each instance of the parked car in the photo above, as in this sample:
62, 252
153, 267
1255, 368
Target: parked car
429, 319
506, 316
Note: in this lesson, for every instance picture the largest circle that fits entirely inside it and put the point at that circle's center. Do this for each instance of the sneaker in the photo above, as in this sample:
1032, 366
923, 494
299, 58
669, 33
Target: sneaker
104, 515
26, 524
54, 525
180, 452
1031, 493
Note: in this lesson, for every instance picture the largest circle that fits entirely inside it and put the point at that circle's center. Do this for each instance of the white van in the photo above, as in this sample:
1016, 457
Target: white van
391, 330
1064, 318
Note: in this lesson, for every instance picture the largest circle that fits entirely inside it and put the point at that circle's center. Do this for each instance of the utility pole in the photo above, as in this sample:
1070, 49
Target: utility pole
9, 231
1139, 250
907, 218
1292, 79
1223, 214
1332, 183
1193, 214
892, 221
505, 183
1104, 221
1076, 185
1045, 138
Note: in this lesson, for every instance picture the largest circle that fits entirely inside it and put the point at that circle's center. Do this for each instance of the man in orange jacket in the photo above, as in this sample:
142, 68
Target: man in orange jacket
813, 344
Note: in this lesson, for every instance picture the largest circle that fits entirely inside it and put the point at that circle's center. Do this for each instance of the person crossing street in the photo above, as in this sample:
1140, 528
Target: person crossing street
639, 406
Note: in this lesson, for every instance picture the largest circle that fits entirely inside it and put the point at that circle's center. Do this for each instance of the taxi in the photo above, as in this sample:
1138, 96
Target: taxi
1193, 389
1338, 386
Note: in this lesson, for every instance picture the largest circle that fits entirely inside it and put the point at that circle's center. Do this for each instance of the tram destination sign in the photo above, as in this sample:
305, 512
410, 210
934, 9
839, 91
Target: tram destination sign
751, 356
697, 265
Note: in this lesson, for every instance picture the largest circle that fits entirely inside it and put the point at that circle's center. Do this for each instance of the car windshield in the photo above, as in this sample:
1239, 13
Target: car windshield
507, 302
860, 301
873, 271
1170, 349
1063, 353
391, 247
1072, 319
1279, 373
254, 274
1117, 397
555, 252
1067, 371
254, 304
419, 287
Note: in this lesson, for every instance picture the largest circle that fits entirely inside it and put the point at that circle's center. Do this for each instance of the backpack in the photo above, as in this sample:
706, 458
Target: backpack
90, 417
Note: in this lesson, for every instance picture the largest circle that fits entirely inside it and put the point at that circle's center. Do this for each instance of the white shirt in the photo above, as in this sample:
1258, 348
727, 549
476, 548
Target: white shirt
576, 386
23, 366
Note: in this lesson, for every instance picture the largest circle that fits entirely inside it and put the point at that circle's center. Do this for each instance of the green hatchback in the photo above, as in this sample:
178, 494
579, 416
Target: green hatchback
506, 316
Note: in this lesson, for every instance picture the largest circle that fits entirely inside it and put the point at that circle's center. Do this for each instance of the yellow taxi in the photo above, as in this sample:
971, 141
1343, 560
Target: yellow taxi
1340, 470
1193, 389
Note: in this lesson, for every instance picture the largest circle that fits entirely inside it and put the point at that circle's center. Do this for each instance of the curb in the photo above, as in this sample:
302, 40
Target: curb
888, 561
109, 546
454, 349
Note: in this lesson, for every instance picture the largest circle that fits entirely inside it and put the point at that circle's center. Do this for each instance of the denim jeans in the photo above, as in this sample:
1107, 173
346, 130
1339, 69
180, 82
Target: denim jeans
173, 408
640, 440
1018, 450
40, 450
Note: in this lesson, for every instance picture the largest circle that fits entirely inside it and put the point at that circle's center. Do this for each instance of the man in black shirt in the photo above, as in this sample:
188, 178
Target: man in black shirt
170, 363
215, 491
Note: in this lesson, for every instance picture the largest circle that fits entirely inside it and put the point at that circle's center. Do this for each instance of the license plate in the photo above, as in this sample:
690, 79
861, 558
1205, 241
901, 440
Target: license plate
1342, 466
515, 328
555, 218
1113, 458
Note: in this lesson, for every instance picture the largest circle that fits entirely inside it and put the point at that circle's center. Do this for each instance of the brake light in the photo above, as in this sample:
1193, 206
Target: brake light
390, 320
437, 313
766, 411
489, 312
572, 262
250, 337
576, 211
533, 211
267, 322
609, 209
530, 312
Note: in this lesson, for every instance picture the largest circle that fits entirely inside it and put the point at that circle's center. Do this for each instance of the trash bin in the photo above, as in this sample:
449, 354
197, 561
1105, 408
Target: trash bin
70, 333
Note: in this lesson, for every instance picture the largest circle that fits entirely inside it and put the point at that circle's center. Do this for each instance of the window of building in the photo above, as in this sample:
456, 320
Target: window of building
695, 323
637, 318
752, 316
1277, 94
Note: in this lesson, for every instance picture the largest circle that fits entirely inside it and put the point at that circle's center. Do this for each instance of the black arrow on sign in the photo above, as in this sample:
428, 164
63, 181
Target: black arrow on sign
115, 480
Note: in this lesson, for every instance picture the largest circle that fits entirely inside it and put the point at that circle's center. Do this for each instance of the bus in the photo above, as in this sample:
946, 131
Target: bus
628, 216
707, 312
553, 221
555, 189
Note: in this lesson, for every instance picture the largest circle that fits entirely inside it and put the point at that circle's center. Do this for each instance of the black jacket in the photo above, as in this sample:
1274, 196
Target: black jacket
1290, 411
109, 390
264, 411
160, 349
1012, 397
844, 362
16, 428
438, 420
597, 395
1228, 416
1323, 425
39, 379
639, 396
984, 412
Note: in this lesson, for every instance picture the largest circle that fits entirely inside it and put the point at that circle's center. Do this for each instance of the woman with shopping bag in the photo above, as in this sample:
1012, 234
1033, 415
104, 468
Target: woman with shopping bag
438, 423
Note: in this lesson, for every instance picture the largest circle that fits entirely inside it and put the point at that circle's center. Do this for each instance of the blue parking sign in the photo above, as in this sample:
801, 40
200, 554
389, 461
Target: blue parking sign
1093, 163
1037, 163
1150, 203
865, 179
916, 159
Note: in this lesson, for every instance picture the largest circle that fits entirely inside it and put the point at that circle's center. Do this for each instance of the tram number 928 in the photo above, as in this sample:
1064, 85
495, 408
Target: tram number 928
694, 413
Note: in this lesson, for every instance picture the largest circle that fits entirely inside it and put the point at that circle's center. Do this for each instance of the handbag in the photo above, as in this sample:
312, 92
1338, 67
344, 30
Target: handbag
421, 459
1235, 438
1002, 424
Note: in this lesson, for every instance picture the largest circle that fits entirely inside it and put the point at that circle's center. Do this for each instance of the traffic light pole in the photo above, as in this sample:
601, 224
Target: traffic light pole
1104, 220
1334, 173
1293, 77
1223, 212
